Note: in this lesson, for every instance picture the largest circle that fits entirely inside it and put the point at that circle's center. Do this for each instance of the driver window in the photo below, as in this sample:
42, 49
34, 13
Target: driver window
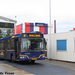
29, 44
23, 45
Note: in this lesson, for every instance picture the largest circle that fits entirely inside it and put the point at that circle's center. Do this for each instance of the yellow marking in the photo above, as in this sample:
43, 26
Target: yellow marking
12, 40
34, 58
12, 36
30, 58
8, 40
41, 55
11, 50
24, 35
1, 50
24, 55
2, 53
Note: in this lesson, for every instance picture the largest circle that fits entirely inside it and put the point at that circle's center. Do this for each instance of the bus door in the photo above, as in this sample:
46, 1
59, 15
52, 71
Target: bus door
17, 49
5, 50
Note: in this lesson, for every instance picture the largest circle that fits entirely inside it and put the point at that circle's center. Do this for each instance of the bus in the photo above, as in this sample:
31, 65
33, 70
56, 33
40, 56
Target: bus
23, 47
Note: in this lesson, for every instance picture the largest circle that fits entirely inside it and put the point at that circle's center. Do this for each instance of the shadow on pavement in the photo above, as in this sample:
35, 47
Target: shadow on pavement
21, 62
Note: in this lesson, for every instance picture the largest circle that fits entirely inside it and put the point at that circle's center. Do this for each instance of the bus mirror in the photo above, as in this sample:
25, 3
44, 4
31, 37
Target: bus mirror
44, 41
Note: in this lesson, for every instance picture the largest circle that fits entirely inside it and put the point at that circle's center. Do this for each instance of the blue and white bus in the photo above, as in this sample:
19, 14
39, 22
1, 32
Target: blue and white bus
23, 46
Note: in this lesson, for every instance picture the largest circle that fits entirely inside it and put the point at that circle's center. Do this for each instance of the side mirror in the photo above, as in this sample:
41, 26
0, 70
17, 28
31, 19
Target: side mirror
44, 41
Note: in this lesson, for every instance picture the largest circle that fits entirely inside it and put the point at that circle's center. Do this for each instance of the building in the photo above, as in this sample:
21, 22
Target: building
29, 27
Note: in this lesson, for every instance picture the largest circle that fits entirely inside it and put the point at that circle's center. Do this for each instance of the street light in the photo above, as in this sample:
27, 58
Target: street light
49, 46
15, 25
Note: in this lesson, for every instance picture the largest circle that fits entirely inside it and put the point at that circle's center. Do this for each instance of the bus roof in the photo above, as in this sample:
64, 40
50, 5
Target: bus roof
19, 35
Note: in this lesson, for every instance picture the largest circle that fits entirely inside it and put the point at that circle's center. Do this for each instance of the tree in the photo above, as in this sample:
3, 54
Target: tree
9, 33
1, 34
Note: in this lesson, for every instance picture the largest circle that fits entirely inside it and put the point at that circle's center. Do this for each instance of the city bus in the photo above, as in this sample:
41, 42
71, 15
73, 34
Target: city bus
23, 47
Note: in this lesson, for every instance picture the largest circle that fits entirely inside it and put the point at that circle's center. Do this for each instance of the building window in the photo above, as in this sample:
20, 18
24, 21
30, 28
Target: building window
62, 45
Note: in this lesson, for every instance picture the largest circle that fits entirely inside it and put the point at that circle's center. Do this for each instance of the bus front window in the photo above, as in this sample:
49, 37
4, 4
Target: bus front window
32, 45
35, 44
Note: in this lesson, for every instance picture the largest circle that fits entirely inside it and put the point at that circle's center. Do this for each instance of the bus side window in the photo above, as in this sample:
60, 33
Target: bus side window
12, 44
0, 46
8, 46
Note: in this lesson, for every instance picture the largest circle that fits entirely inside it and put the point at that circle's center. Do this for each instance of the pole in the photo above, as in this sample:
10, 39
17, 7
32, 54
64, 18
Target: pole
15, 26
49, 48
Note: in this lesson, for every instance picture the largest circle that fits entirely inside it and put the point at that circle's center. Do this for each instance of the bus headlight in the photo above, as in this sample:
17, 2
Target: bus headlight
43, 56
22, 57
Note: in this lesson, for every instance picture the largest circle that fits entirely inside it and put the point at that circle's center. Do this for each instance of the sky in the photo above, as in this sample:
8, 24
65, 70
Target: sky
63, 11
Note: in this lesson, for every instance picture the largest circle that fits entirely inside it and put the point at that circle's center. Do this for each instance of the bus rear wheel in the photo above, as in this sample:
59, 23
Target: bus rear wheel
12, 58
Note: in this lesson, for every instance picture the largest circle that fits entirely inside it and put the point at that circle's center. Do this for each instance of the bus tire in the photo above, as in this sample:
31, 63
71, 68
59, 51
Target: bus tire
12, 58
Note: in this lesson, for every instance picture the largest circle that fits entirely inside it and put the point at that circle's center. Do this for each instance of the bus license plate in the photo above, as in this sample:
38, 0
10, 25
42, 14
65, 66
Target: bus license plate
34, 58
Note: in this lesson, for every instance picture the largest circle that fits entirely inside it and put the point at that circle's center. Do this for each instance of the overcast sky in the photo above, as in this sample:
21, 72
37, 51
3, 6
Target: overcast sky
63, 11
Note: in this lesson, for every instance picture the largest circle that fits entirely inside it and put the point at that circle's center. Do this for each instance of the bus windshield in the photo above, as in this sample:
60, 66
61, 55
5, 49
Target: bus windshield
32, 44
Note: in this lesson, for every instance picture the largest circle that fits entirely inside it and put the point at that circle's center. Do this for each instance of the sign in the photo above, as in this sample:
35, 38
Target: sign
34, 35
39, 24
6, 25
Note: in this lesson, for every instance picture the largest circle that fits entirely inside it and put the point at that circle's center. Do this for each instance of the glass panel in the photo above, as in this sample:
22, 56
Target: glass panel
12, 44
32, 45
23, 44
1, 46
9, 45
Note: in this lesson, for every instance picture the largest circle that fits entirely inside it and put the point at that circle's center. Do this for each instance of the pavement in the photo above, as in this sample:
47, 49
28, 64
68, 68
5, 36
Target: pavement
6, 69
65, 64
40, 67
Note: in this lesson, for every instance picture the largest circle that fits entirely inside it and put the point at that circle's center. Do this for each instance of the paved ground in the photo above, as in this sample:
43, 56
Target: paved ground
6, 69
45, 67
69, 65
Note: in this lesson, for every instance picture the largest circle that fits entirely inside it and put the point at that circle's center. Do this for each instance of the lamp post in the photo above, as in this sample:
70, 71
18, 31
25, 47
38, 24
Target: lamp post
15, 26
49, 46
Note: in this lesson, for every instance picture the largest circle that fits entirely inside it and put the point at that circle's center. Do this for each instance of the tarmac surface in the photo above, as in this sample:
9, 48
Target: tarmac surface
6, 69
40, 67
69, 65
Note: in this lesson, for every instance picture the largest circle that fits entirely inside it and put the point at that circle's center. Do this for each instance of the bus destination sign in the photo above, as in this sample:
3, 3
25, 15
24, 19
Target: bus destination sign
34, 35
39, 24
